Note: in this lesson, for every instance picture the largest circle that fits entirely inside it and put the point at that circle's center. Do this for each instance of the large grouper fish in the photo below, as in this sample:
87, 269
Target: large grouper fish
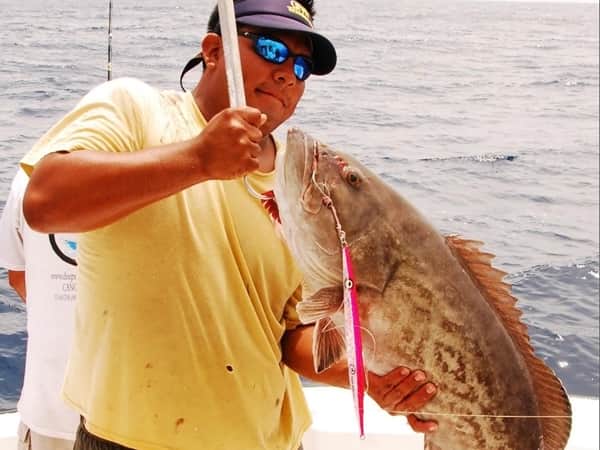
425, 301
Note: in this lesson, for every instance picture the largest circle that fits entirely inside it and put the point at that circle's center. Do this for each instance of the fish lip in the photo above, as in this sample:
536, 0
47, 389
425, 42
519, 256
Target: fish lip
307, 176
308, 165
297, 141
290, 168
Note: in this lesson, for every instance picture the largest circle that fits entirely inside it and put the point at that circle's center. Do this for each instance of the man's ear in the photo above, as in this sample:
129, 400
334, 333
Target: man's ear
212, 49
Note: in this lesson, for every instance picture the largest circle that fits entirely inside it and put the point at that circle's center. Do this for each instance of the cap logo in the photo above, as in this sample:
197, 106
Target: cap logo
299, 10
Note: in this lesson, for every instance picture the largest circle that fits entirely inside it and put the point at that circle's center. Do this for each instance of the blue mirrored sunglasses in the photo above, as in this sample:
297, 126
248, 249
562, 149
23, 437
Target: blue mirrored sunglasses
276, 52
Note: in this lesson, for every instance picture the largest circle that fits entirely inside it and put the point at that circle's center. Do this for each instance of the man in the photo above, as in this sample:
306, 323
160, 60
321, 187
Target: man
186, 298
39, 272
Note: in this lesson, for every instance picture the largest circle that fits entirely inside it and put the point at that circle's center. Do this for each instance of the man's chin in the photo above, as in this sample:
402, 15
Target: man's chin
274, 120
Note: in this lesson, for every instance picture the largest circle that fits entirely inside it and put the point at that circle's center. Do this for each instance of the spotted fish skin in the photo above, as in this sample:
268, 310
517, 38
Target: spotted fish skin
428, 301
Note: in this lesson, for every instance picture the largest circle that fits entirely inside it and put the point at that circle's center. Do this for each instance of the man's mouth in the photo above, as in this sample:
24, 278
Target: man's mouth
275, 96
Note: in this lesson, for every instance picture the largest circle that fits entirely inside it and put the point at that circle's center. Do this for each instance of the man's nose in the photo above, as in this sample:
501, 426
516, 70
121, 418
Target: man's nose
284, 73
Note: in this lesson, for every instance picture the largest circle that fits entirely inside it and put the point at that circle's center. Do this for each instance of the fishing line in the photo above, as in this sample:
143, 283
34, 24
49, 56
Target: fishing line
338, 327
491, 416
324, 250
442, 414
253, 192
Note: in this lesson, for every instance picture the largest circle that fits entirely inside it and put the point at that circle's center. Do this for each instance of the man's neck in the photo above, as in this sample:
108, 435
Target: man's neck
266, 159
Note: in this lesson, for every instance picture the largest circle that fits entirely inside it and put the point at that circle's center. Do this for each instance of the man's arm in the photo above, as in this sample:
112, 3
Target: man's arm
16, 279
84, 190
399, 390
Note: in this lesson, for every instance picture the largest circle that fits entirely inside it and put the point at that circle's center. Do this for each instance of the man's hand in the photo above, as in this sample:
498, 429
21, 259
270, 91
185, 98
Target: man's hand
229, 145
16, 279
397, 391
402, 390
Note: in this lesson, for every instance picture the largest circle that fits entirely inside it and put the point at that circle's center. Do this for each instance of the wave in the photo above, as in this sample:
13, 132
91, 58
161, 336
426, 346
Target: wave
12, 368
588, 267
567, 83
560, 307
486, 157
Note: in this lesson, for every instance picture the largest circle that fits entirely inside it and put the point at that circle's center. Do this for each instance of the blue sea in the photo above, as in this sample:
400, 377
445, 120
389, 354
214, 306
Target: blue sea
483, 114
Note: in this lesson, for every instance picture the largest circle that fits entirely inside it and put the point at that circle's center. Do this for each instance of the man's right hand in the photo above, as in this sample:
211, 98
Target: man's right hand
230, 144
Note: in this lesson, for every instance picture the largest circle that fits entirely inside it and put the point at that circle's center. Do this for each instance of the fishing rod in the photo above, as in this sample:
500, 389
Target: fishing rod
233, 66
233, 70
51, 236
235, 82
109, 61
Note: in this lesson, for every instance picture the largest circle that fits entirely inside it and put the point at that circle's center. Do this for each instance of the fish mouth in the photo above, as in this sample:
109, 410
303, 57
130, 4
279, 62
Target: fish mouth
299, 202
290, 169
294, 166
312, 196
306, 144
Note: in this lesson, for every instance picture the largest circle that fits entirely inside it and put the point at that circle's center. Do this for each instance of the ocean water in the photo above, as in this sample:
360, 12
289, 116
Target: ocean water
483, 114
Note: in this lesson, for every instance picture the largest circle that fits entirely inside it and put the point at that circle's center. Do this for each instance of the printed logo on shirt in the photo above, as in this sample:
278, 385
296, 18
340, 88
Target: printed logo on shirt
65, 282
269, 203
66, 286
64, 248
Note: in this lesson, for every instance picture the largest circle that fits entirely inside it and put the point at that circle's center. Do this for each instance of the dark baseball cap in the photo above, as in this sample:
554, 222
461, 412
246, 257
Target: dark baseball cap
288, 15
280, 15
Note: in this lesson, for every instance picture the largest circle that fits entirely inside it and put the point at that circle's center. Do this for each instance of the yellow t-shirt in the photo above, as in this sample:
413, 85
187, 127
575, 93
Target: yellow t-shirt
182, 304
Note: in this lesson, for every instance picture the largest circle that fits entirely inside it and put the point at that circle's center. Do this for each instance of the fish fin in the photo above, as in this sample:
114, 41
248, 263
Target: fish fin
328, 344
321, 305
552, 397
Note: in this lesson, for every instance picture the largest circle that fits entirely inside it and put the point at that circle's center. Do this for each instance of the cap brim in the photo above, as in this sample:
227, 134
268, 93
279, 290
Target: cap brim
324, 55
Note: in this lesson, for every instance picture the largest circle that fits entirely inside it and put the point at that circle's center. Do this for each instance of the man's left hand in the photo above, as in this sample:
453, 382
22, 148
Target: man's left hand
403, 390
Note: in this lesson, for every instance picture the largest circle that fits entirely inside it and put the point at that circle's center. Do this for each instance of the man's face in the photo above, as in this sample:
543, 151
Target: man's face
272, 88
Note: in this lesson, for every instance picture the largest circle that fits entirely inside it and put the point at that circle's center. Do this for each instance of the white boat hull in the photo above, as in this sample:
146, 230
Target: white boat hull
334, 425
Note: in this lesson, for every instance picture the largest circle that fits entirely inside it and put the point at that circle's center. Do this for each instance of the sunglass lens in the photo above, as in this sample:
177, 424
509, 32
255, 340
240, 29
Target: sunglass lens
277, 52
302, 68
271, 50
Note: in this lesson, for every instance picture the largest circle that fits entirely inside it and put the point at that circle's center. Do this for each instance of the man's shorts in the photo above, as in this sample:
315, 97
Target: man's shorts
30, 440
87, 441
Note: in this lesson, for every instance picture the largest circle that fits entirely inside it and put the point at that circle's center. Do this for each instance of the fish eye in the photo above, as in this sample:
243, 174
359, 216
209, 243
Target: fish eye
352, 176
